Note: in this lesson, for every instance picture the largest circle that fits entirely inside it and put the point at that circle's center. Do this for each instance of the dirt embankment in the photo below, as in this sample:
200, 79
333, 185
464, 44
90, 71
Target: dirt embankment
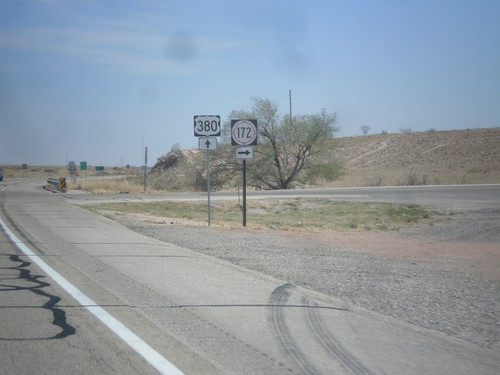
414, 158
432, 157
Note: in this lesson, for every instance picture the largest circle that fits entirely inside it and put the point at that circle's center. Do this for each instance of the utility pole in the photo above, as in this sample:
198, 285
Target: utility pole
145, 168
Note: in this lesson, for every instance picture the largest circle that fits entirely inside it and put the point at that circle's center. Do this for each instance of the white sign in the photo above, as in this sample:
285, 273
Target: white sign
243, 132
207, 143
244, 152
207, 126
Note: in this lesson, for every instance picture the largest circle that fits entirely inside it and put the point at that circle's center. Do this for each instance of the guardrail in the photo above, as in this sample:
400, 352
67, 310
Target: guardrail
58, 184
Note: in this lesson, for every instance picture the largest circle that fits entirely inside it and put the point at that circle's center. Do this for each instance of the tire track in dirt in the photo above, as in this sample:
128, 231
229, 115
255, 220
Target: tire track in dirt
319, 331
330, 344
289, 347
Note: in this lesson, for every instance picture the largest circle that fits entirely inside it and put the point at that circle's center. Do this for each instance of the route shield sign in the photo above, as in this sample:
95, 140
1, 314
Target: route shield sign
207, 126
243, 132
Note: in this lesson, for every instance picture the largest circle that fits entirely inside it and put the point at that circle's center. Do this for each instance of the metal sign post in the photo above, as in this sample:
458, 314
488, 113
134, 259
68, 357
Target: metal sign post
244, 152
208, 143
244, 192
83, 168
208, 184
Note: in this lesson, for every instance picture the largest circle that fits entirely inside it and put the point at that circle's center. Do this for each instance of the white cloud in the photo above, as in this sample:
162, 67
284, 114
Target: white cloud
113, 44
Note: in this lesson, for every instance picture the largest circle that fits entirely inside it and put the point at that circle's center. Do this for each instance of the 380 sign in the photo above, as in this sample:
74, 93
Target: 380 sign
207, 126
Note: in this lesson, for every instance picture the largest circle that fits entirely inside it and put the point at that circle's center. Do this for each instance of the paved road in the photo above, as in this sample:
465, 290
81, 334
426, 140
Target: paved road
446, 197
202, 315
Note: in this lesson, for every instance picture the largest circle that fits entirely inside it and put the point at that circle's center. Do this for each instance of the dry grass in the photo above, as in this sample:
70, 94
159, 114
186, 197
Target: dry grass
108, 186
287, 214
16, 171
112, 180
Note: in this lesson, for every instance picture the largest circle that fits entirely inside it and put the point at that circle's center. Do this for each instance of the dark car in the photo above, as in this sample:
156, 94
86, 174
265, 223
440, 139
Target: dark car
1, 174
72, 168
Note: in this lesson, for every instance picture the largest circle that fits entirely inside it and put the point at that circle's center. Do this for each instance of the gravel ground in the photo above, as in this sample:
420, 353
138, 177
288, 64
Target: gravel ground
444, 277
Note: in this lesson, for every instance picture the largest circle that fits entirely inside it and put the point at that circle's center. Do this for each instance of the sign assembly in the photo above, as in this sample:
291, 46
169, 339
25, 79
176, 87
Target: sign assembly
244, 136
207, 128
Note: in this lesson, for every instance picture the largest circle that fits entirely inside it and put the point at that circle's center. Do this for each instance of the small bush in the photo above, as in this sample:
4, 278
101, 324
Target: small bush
413, 180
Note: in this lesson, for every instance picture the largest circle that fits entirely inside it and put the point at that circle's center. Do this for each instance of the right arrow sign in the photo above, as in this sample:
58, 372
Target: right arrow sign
245, 152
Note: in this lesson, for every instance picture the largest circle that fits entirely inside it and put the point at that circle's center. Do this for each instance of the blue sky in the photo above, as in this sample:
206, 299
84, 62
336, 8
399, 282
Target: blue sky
96, 81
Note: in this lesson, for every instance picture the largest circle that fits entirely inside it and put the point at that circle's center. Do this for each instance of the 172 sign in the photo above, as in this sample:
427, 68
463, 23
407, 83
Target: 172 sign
243, 132
207, 126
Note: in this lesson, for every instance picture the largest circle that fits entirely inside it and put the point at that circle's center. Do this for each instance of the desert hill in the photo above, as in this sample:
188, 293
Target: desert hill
412, 158
432, 157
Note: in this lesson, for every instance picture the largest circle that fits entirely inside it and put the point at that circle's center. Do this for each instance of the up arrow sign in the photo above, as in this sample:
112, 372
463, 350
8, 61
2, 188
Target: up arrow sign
207, 143
245, 152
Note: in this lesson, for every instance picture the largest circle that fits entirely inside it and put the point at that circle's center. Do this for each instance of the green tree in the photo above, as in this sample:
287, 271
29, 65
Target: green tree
289, 150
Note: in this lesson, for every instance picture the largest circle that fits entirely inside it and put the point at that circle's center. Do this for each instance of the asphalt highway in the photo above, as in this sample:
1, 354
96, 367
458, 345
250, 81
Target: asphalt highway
82, 294
446, 197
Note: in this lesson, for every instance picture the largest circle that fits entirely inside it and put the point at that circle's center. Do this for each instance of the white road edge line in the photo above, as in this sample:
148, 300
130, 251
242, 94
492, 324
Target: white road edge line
154, 358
